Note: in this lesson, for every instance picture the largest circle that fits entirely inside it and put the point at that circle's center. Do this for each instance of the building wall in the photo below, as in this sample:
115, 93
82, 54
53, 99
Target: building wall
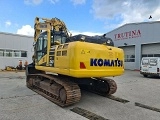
136, 34
15, 43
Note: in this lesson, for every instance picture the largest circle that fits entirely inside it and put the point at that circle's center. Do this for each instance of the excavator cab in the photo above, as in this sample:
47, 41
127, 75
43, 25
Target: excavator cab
56, 38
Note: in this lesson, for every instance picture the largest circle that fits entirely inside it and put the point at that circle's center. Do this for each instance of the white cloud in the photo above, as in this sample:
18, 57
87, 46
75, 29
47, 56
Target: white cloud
53, 1
73, 32
37, 2
8, 23
76, 2
34, 2
26, 30
117, 12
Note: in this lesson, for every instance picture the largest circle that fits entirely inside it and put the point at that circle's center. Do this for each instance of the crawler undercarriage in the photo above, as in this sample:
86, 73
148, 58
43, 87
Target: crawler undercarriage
64, 90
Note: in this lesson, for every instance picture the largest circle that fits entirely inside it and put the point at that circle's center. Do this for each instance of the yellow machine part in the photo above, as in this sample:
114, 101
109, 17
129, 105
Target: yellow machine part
79, 64
83, 59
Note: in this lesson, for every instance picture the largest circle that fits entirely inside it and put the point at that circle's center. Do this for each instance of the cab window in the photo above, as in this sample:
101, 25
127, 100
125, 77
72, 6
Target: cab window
63, 40
41, 46
58, 38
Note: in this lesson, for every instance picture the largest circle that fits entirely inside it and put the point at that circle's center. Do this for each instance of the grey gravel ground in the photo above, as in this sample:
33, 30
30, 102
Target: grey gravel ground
20, 103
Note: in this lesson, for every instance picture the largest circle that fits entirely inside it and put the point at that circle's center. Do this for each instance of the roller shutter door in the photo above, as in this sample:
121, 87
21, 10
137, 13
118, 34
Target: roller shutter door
151, 50
129, 52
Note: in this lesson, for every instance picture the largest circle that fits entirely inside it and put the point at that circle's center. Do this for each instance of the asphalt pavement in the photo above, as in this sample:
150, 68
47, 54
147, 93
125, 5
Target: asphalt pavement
17, 102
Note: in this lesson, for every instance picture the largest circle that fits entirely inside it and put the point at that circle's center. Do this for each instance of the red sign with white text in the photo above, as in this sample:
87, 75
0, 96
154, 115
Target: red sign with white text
128, 35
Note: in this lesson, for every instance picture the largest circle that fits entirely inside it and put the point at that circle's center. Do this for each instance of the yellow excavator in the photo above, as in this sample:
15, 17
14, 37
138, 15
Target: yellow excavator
64, 64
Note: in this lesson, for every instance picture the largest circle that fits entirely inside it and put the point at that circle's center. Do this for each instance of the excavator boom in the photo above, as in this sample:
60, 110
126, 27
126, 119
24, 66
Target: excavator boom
44, 24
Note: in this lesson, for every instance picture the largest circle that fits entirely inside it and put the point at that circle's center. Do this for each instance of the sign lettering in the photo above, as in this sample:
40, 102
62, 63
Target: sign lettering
128, 35
106, 62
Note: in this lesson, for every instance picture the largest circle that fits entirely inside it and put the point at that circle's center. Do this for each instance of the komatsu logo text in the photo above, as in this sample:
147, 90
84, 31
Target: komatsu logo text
106, 62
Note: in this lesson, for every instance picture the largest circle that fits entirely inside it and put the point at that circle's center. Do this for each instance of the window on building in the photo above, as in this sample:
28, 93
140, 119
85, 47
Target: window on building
16, 53
1, 52
129, 58
156, 55
23, 53
150, 55
8, 53
144, 55
12, 53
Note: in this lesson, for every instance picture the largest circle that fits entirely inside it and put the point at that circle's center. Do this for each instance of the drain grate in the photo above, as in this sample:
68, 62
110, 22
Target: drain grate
117, 99
147, 107
87, 114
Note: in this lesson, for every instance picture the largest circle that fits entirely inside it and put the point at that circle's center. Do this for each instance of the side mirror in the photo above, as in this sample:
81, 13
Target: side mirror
32, 49
34, 43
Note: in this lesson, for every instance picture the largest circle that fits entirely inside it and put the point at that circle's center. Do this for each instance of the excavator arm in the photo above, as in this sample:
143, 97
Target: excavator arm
42, 24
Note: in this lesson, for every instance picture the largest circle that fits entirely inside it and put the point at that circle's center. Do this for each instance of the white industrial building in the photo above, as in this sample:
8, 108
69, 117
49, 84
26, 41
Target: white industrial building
137, 40
13, 48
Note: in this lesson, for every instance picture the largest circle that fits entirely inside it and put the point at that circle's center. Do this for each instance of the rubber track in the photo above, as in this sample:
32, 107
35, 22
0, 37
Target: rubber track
147, 107
118, 99
72, 90
87, 114
110, 83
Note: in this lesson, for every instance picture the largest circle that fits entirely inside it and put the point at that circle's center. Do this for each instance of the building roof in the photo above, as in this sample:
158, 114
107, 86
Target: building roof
13, 34
151, 22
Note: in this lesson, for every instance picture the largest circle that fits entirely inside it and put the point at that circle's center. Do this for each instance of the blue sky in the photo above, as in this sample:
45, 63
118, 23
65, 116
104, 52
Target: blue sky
81, 16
